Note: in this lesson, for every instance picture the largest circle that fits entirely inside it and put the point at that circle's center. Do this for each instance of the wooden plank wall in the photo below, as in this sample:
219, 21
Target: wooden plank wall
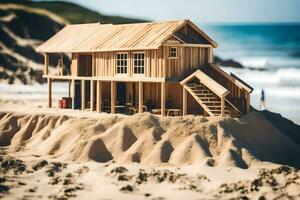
157, 62
189, 59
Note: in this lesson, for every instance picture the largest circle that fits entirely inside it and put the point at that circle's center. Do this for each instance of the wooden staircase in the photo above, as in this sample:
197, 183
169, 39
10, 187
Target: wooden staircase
210, 95
210, 102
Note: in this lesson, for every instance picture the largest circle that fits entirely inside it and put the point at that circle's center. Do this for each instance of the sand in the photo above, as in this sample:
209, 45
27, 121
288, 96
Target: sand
104, 156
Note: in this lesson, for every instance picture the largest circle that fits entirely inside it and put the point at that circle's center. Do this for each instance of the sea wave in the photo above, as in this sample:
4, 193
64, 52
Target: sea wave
269, 62
281, 77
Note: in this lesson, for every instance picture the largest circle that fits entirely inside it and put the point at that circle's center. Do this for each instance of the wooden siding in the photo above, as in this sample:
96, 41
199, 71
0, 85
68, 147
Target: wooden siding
157, 63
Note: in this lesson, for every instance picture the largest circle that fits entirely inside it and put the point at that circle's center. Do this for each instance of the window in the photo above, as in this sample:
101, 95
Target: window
121, 63
138, 63
173, 52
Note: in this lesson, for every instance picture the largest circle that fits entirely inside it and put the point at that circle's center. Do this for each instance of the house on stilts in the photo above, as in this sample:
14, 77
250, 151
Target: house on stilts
161, 67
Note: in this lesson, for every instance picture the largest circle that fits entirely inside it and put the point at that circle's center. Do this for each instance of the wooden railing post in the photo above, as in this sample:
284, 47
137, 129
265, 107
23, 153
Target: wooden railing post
92, 95
184, 101
82, 94
141, 97
113, 96
99, 96
49, 92
73, 93
163, 98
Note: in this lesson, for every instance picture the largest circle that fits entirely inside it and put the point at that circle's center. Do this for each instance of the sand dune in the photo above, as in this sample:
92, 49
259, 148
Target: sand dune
148, 139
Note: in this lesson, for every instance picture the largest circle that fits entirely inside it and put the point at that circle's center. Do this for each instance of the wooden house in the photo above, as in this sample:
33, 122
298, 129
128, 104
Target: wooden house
161, 67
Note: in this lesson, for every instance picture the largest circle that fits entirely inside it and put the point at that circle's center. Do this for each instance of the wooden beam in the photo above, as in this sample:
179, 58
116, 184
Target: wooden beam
189, 45
99, 96
92, 95
184, 101
83, 95
222, 106
163, 99
109, 78
104, 50
141, 97
49, 92
46, 64
113, 96
73, 93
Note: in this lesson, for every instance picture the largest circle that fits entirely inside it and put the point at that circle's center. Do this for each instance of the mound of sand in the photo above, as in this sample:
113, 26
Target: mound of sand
148, 139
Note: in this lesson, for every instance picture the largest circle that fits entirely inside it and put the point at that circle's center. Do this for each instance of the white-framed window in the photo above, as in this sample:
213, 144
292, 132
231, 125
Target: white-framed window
138, 63
173, 52
121, 63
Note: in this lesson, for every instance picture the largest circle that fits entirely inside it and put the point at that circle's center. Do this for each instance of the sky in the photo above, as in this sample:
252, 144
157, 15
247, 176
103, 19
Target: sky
205, 11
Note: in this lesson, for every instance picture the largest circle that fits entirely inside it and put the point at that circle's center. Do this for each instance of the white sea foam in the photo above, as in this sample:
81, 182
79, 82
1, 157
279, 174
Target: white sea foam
284, 77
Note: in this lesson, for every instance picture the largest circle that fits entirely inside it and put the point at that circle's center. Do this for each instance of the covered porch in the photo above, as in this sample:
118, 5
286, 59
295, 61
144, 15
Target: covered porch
121, 95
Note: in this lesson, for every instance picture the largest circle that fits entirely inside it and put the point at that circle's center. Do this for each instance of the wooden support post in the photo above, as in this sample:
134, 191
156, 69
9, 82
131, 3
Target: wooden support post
184, 101
222, 106
92, 95
141, 97
165, 62
82, 94
49, 92
46, 63
73, 93
247, 102
113, 96
163, 99
211, 55
99, 96
61, 69
69, 90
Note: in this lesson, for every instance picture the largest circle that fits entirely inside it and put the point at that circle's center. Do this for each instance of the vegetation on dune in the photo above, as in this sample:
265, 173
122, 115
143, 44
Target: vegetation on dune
74, 13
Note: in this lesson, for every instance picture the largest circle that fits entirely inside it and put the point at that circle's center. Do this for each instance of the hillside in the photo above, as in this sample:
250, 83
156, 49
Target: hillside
74, 13
25, 24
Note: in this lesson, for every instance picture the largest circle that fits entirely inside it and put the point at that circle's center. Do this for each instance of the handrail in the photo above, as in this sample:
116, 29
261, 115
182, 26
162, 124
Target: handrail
212, 84
208, 82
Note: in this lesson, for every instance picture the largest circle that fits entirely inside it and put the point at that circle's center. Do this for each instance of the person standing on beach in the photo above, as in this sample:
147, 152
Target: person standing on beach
262, 103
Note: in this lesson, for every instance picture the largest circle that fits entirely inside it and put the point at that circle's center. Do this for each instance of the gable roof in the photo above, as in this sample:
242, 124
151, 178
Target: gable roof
97, 37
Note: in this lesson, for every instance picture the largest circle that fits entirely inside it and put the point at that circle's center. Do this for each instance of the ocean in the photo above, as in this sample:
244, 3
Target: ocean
273, 50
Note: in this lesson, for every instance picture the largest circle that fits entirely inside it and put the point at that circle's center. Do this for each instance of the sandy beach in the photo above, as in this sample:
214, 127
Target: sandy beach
73, 154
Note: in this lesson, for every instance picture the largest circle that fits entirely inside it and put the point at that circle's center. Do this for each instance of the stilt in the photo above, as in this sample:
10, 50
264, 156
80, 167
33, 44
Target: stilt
99, 96
141, 97
82, 94
184, 101
46, 62
49, 92
113, 96
163, 98
73, 93
92, 95
69, 91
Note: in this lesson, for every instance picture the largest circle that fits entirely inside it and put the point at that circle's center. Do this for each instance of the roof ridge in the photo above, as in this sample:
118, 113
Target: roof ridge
154, 22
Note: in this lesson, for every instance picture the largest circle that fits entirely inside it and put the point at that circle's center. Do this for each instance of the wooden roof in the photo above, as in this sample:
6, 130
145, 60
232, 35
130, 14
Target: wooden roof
97, 37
